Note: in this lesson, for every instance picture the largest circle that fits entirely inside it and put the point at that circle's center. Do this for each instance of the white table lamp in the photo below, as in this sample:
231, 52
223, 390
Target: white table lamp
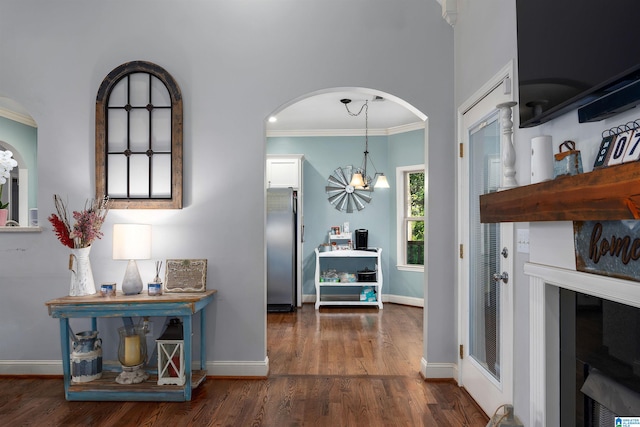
131, 242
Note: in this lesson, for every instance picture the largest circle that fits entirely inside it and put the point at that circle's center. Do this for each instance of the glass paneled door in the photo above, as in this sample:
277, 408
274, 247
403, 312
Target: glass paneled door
486, 306
484, 248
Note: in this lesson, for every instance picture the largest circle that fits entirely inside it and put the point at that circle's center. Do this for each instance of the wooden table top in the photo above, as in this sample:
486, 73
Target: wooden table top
120, 298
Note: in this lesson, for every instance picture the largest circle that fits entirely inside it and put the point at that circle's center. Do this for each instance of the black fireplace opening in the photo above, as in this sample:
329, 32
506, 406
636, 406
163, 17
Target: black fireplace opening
599, 360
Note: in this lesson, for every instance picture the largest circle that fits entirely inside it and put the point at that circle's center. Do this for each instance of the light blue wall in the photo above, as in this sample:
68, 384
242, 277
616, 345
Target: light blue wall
24, 139
322, 156
405, 149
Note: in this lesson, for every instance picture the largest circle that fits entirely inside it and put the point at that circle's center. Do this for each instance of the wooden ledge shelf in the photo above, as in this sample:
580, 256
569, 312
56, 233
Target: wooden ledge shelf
611, 193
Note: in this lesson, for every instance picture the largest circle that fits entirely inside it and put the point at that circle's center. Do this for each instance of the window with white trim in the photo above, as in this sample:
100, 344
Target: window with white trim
410, 214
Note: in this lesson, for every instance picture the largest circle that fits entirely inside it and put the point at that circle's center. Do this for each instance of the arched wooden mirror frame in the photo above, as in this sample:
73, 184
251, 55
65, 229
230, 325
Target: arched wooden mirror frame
172, 201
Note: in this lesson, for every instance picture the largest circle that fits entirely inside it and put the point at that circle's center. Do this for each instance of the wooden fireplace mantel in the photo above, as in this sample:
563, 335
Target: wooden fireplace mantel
612, 193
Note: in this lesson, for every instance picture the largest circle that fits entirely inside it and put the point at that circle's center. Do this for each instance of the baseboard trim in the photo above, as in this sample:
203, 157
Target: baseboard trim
258, 369
30, 367
400, 299
234, 368
438, 371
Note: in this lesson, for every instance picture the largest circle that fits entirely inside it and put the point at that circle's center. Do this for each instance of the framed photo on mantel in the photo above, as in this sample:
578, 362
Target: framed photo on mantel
185, 275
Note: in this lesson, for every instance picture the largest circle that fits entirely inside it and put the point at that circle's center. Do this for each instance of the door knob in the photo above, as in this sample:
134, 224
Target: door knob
504, 277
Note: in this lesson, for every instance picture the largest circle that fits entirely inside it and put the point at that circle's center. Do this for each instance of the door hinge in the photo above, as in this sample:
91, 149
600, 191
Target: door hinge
461, 351
461, 149
461, 251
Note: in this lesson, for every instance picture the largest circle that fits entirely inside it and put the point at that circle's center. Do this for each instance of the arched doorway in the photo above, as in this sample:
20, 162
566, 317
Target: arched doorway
310, 122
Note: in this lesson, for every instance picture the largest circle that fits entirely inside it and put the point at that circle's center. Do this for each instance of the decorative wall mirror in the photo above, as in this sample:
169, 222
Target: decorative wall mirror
19, 135
139, 138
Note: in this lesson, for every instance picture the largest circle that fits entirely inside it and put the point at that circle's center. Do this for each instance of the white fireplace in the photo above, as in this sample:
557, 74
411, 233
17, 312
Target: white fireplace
544, 324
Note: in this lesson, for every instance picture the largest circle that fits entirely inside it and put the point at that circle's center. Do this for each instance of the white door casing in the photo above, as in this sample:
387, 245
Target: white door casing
490, 390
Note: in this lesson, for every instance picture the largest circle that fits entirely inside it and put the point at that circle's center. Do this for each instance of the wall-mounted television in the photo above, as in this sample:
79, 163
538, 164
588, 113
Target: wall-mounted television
577, 55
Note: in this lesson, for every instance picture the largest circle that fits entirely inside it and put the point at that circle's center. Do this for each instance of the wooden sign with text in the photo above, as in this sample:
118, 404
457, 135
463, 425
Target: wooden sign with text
185, 275
608, 248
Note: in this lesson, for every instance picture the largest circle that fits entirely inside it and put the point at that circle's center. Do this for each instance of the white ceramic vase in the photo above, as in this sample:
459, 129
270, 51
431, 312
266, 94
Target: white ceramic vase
81, 275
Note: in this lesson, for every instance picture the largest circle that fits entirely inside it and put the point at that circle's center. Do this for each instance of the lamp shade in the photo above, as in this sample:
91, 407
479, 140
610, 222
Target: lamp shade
382, 182
357, 180
131, 241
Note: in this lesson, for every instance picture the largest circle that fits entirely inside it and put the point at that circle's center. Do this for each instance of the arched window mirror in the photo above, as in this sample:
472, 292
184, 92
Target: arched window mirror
139, 138
19, 134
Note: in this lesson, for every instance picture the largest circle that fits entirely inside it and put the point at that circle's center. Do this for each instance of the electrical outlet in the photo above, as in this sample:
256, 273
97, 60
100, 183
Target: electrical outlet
523, 241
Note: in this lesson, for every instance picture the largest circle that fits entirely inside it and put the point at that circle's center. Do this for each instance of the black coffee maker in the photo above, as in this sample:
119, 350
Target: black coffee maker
362, 239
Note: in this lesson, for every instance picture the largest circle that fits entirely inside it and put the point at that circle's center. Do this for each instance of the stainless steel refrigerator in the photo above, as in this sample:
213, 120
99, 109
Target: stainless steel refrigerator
281, 249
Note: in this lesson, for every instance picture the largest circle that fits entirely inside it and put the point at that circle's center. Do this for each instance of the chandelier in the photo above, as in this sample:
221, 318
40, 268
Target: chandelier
360, 178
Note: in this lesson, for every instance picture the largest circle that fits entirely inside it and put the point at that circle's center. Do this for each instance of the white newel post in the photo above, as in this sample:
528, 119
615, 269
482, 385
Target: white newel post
508, 152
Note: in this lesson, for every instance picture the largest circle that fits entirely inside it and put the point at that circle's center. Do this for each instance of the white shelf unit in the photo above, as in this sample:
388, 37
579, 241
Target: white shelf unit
366, 257
341, 240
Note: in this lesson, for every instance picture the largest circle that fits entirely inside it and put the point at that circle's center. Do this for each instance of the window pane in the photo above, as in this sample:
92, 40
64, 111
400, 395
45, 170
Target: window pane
161, 130
118, 95
415, 242
117, 172
160, 96
139, 89
139, 170
117, 131
139, 130
161, 176
484, 248
416, 191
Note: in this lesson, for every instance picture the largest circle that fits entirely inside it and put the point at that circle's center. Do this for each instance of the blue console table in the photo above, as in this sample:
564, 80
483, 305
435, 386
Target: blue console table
181, 305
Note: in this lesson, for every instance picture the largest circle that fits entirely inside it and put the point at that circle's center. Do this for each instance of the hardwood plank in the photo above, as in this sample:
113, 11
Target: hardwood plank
332, 367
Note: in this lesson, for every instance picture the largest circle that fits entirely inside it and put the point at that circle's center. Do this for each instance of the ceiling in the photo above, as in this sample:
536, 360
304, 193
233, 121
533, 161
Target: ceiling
325, 112
319, 112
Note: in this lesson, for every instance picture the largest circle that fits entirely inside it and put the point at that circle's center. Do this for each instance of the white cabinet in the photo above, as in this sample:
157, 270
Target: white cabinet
347, 293
284, 170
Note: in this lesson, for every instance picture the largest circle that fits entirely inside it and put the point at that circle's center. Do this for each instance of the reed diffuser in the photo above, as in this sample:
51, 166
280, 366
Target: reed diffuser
155, 287
157, 279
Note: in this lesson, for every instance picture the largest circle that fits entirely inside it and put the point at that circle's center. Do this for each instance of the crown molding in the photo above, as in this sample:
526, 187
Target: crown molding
405, 128
450, 11
17, 117
345, 132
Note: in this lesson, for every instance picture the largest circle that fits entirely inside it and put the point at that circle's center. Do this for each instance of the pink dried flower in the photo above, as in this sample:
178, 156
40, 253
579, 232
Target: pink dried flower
86, 227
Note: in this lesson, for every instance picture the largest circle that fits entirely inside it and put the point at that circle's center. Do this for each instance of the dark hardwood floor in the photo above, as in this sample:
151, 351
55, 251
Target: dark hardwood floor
332, 367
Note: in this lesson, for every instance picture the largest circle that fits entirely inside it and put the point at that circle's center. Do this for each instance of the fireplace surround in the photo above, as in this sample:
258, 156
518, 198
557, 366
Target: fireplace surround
544, 326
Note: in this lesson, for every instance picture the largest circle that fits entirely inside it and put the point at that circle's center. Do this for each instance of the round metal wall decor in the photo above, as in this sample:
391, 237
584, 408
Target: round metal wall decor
342, 195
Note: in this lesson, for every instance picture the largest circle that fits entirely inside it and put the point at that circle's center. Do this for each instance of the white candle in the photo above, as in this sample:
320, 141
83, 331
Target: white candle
132, 350
541, 159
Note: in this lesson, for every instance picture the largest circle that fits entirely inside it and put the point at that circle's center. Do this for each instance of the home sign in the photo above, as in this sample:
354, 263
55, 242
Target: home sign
608, 248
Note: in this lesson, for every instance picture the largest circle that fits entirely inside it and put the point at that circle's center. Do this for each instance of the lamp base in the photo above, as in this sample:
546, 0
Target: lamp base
132, 375
132, 283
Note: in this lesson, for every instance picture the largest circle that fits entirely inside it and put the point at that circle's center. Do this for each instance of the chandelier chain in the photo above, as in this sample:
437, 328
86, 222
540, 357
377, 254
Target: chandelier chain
364, 107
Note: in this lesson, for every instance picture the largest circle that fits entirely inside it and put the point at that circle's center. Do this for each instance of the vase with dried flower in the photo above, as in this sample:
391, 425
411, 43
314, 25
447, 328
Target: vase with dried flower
78, 237
6, 165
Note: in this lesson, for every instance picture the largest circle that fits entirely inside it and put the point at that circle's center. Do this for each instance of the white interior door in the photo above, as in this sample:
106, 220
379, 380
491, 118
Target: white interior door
486, 306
